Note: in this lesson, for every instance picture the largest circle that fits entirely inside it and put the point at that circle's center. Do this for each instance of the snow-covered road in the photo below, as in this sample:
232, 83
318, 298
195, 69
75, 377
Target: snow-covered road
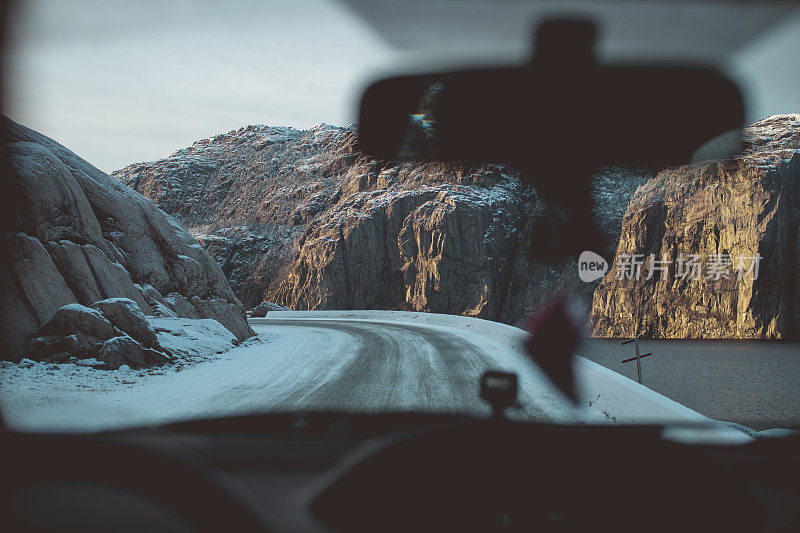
378, 366
329, 360
302, 363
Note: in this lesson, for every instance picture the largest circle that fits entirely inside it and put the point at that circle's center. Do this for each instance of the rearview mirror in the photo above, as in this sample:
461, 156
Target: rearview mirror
557, 120
561, 113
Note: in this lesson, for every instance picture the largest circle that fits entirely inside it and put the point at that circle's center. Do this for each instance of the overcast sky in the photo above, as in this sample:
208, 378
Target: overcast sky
121, 81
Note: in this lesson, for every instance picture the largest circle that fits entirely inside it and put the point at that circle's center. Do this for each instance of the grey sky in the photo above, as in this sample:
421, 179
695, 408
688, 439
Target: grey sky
121, 81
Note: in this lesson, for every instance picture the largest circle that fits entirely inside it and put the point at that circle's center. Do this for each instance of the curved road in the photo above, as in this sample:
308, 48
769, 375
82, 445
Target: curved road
301, 364
382, 366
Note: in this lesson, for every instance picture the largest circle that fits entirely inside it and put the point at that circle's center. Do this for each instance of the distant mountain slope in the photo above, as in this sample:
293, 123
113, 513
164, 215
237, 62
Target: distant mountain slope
79, 236
726, 214
247, 195
301, 218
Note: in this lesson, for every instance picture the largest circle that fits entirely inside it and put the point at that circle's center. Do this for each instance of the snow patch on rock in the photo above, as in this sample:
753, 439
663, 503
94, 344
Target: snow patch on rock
192, 340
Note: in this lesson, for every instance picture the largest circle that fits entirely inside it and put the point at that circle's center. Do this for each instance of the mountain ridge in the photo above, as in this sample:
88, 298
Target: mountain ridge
300, 218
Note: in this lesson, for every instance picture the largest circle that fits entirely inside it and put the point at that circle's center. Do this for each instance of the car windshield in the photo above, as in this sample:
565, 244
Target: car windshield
193, 230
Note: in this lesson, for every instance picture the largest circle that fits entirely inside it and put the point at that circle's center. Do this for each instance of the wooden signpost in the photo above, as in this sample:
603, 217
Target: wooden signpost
637, 358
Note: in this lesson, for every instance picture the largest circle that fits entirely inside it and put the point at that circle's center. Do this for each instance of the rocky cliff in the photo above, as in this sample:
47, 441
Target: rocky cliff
247, 195
78, 236
440, 248
299, 217
708, 225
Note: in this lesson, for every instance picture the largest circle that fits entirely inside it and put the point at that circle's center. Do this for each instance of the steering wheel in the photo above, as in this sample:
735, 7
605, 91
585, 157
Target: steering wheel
165, 480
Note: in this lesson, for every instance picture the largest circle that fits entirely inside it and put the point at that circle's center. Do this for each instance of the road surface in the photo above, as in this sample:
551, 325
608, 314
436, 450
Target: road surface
379, 366
330, 364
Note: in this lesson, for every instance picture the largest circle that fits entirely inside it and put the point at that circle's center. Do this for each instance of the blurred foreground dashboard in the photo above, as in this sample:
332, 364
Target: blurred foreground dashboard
403, 472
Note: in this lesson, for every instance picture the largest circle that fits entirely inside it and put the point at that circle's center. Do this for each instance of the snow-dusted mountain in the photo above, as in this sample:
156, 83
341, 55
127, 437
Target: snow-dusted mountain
737, 221
248, 195
301, 218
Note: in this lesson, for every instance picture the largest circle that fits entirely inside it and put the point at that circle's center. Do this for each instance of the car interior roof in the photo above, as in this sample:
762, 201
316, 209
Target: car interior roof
647, 29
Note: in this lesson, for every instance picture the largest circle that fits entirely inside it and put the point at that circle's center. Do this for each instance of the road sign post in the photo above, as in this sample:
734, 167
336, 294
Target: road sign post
637, 358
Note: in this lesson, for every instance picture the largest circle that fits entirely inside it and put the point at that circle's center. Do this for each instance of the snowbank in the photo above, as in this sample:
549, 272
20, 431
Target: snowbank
192, 339
40, 395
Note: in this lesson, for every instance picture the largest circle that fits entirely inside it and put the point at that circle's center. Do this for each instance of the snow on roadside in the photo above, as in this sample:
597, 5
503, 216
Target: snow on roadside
38, 384
192, 339
220, 386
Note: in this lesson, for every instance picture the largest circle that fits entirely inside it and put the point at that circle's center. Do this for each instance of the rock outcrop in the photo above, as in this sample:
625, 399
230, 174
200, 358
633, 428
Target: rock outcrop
722, 215
433, 248
301, 219
247, 195
250, 195
263, 308
113, 331
127, 316
73, 330
78, 236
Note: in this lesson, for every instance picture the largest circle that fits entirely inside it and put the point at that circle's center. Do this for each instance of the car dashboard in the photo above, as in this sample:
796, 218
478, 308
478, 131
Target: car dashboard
336, 472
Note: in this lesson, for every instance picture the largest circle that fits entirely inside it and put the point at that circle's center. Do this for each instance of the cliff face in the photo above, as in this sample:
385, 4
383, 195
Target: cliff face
80, 236
459, 249
302, 220
724, 213
432, 248
253, 196
248, 194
